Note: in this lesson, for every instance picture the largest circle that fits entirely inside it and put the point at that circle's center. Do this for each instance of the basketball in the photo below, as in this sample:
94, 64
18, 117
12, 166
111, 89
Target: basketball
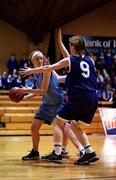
14, 96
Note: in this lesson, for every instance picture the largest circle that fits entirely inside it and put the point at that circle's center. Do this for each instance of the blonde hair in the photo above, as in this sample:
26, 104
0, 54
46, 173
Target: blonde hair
36, 53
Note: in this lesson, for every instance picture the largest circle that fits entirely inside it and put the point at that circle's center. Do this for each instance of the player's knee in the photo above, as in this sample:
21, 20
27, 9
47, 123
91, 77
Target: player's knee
76, 127
35, 126
58, 122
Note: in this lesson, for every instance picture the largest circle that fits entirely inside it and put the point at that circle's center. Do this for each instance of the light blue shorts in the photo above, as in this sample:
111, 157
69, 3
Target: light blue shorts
47, 112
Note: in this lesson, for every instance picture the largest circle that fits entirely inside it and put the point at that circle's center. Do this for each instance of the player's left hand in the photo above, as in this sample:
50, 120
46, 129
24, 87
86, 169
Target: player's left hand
26, 72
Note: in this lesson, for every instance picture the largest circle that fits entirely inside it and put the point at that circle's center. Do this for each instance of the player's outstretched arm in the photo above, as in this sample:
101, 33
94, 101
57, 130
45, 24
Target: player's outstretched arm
45, 69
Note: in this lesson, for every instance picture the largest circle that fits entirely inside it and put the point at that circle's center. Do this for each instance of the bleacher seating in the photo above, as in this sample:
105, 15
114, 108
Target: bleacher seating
16, 118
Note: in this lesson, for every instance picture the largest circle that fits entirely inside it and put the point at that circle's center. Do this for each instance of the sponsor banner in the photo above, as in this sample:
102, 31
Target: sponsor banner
108, 117
97, 44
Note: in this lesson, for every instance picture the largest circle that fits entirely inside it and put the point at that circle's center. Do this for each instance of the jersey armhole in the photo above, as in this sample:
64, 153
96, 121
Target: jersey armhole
92, 61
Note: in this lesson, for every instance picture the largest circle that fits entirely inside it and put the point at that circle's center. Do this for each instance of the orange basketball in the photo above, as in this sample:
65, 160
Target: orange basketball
13, 96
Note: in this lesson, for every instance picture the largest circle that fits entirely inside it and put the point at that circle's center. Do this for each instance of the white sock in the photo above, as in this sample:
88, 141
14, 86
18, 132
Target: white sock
58, 148
82, 150
88, 149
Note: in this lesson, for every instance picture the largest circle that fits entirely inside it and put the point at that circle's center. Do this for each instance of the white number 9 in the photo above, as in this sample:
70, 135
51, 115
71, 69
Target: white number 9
85, 68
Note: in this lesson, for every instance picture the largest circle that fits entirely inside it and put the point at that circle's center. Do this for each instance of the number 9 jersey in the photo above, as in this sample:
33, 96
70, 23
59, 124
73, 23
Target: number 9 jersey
81, 75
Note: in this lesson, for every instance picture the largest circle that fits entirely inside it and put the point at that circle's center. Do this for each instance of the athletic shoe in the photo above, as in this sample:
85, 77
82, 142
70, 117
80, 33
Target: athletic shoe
33, 155
65, 155
94, 158
52, 157
81, 153
87, 158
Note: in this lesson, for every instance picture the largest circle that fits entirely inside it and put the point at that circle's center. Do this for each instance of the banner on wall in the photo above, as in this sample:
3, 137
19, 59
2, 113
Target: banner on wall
108, 117
97, 44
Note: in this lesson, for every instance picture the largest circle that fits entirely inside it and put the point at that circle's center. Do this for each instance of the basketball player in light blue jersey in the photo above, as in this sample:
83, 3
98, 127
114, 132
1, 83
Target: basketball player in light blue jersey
82, 98
52, 101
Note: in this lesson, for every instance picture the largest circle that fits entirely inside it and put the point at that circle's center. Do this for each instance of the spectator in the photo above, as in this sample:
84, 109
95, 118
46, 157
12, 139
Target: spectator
4, 79
17, 82
12, 64
114, 64
100, 61
1, 85
29, 82
109, 62
100, 84
9, 82
14, 75
107, 93
23, 61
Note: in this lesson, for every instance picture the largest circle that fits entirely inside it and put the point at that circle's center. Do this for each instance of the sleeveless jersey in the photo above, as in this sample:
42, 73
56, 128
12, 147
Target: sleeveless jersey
82, 75
53, 95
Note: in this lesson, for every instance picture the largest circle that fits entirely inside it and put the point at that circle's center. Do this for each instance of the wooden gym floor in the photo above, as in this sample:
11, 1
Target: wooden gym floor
12, 148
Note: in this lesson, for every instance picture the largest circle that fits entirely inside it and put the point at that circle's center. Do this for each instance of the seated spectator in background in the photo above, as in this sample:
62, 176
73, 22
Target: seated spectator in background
23, 61
29, 82
109, 62
17, 82
12, 64
15, 74
24, 78
100, 84
4, 79
14, 77
107, 80
107, 93
105, 90
100, 61
1, 85
114, 64
9, 82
